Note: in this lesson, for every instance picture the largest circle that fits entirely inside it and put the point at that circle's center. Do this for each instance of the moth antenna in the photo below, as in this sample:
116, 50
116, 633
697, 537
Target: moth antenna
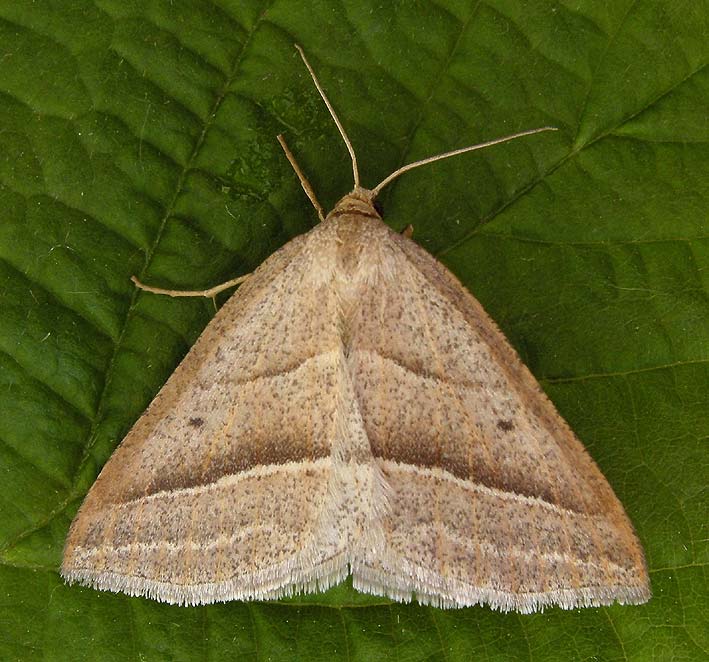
301, 176
377, 189
334, 116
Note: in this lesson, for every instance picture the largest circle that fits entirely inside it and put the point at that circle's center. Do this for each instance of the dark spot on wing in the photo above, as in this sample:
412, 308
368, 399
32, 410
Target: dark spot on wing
196, 422
505, 425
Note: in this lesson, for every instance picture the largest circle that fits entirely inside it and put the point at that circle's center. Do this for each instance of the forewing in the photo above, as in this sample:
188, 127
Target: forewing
492, 498
220, 489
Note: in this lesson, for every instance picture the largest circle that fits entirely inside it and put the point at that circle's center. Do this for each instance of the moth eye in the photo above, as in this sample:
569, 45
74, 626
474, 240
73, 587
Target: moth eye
378, 207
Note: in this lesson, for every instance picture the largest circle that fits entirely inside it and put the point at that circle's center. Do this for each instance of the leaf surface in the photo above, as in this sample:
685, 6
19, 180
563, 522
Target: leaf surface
139, 138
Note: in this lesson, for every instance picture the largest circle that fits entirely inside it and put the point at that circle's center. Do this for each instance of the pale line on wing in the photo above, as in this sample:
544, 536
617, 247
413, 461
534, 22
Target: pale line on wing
520, 552
230, 480
440, 473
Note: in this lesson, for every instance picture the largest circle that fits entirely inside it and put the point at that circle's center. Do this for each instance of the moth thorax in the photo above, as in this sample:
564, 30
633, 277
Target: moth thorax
359, 202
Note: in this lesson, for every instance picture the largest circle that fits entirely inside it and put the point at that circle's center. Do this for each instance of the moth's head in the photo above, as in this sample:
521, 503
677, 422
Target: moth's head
359, 201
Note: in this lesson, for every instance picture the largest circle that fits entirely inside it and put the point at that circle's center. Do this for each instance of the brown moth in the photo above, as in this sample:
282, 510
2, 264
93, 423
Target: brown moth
353, 409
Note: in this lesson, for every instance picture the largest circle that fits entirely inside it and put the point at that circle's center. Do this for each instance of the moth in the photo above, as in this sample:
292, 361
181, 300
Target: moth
352, 409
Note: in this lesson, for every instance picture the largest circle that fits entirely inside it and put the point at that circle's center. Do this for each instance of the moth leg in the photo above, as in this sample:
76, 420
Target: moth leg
303, 179
210, 293
408, 231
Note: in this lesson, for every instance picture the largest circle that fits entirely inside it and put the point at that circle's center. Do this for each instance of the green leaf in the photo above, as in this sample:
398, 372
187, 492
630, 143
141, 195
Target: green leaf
139, 138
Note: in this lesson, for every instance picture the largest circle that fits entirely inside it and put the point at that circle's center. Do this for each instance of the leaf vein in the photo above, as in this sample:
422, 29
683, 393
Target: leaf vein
102, 402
